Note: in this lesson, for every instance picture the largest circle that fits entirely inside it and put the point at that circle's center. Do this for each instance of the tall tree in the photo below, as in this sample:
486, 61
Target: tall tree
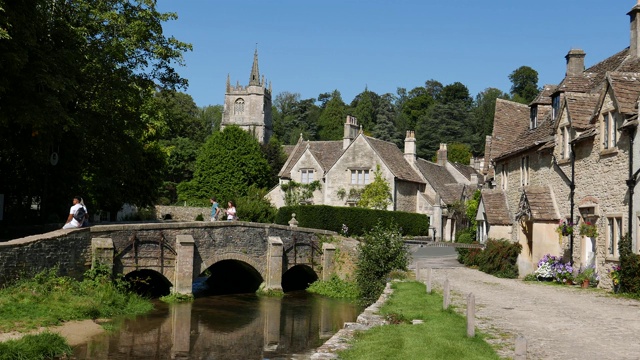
74, 77
524, 84
228, 163
364, 108
385, 128
483, 113
331, 121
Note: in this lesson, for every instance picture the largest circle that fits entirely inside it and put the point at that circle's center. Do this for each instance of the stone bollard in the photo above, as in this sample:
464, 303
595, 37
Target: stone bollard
521, 348
417, 271
471, 315
428, 280
445, 295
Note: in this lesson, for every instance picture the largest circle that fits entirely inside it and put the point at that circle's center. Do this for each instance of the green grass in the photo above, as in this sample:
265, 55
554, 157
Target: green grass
443, 335
48, 300
335, 288
35, 347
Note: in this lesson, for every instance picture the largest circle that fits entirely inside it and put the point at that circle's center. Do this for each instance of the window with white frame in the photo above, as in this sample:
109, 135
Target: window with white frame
609, 130
504, 176
359, 177
524, 171
614, 233
238, 106
565, 138
306, 176
533, 121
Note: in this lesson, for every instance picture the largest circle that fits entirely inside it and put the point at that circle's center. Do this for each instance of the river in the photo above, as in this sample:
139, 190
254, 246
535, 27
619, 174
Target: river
242, 326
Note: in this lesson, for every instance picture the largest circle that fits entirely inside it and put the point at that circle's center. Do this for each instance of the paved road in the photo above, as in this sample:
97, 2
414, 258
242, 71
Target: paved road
558, 322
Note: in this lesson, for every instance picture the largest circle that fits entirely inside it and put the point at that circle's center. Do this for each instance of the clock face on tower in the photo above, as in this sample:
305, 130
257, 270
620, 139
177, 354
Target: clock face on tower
54, 158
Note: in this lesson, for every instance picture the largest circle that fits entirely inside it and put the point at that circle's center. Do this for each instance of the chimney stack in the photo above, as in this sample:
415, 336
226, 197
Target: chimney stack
442, 154
575, 62
410, 147
634, 47
350, 131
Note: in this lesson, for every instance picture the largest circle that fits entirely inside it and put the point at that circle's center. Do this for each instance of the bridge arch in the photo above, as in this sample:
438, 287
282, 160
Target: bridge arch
298, 277
148, 282
231, 276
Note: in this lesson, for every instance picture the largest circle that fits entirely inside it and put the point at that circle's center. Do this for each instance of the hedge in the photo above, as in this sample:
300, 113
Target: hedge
357, 220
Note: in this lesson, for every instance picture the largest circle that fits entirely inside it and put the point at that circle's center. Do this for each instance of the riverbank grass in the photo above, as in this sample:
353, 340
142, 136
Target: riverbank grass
48, 299
443, 335
35, 347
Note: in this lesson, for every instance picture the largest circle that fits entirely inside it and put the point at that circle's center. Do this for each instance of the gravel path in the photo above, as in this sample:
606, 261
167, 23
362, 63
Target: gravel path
558, 322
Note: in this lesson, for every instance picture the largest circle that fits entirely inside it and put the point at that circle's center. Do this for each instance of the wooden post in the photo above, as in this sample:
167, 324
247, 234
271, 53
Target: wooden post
417, 271
445, 295
428, 280
471, 315
521, 348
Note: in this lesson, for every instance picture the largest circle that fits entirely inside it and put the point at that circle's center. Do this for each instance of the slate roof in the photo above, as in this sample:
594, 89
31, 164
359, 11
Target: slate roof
288, 149
326, 152
465, 170
580, 107
541, 203
440, 178
510, 120
544, 96
394, 159
626, 88
531, 138
496, 207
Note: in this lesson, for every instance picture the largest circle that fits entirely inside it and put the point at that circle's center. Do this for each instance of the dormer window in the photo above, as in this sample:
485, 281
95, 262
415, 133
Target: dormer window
555, 105
533, 122
306, 176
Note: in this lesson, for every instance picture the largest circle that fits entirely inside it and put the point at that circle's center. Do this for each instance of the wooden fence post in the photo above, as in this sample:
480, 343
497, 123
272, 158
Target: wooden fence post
445, 295
471, 315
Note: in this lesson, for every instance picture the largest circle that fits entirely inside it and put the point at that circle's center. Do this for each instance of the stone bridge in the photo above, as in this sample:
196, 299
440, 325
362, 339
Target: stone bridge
177, 253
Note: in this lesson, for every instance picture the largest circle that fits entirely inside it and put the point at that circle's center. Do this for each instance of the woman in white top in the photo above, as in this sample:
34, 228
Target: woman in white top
231, 211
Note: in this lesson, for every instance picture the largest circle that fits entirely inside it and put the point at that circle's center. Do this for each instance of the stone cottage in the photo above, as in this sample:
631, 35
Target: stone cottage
345, 167
570, 161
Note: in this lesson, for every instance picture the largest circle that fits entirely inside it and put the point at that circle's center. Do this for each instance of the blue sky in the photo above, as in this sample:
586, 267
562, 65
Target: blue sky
316, 47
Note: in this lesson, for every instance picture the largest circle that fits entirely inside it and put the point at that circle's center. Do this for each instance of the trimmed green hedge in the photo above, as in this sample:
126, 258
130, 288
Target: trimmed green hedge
358, 220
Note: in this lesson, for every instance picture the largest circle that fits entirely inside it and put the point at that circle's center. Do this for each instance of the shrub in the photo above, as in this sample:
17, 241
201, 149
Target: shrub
255, 207
499, 258
358, 220
629, 267
466, 236
335, 288
381, 251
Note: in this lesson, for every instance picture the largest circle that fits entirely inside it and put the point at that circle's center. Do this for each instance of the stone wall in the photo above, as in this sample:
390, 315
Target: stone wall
182, 213
69, 250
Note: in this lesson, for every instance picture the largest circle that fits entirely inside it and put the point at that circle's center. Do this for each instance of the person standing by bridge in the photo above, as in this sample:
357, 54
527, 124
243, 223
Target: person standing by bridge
78, 214
231, 211
215, 209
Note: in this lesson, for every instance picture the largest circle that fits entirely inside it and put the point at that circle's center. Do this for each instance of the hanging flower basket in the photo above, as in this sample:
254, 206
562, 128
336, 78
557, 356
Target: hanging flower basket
589, 230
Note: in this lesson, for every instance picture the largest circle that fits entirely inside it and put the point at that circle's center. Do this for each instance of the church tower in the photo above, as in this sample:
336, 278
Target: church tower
249, 107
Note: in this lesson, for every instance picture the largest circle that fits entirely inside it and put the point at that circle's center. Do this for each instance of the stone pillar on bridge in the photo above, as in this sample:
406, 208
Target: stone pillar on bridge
102, 252
328, 254
274, 264
183, 281
181, 330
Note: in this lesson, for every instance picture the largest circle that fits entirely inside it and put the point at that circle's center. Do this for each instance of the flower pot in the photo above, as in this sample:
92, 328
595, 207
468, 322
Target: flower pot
585, 284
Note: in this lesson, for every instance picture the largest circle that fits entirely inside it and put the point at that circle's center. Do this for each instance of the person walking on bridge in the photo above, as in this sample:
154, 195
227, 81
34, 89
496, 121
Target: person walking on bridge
78, 214
215, 209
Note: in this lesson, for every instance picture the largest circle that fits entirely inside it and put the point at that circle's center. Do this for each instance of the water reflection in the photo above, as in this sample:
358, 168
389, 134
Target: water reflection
226, 327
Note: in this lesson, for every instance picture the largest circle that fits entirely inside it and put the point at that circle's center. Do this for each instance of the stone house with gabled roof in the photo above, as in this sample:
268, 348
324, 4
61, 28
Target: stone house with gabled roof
579, 159
416, 184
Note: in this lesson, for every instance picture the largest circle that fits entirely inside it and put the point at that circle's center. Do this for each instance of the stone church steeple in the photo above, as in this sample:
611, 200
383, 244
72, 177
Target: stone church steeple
249, 107
254, 80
